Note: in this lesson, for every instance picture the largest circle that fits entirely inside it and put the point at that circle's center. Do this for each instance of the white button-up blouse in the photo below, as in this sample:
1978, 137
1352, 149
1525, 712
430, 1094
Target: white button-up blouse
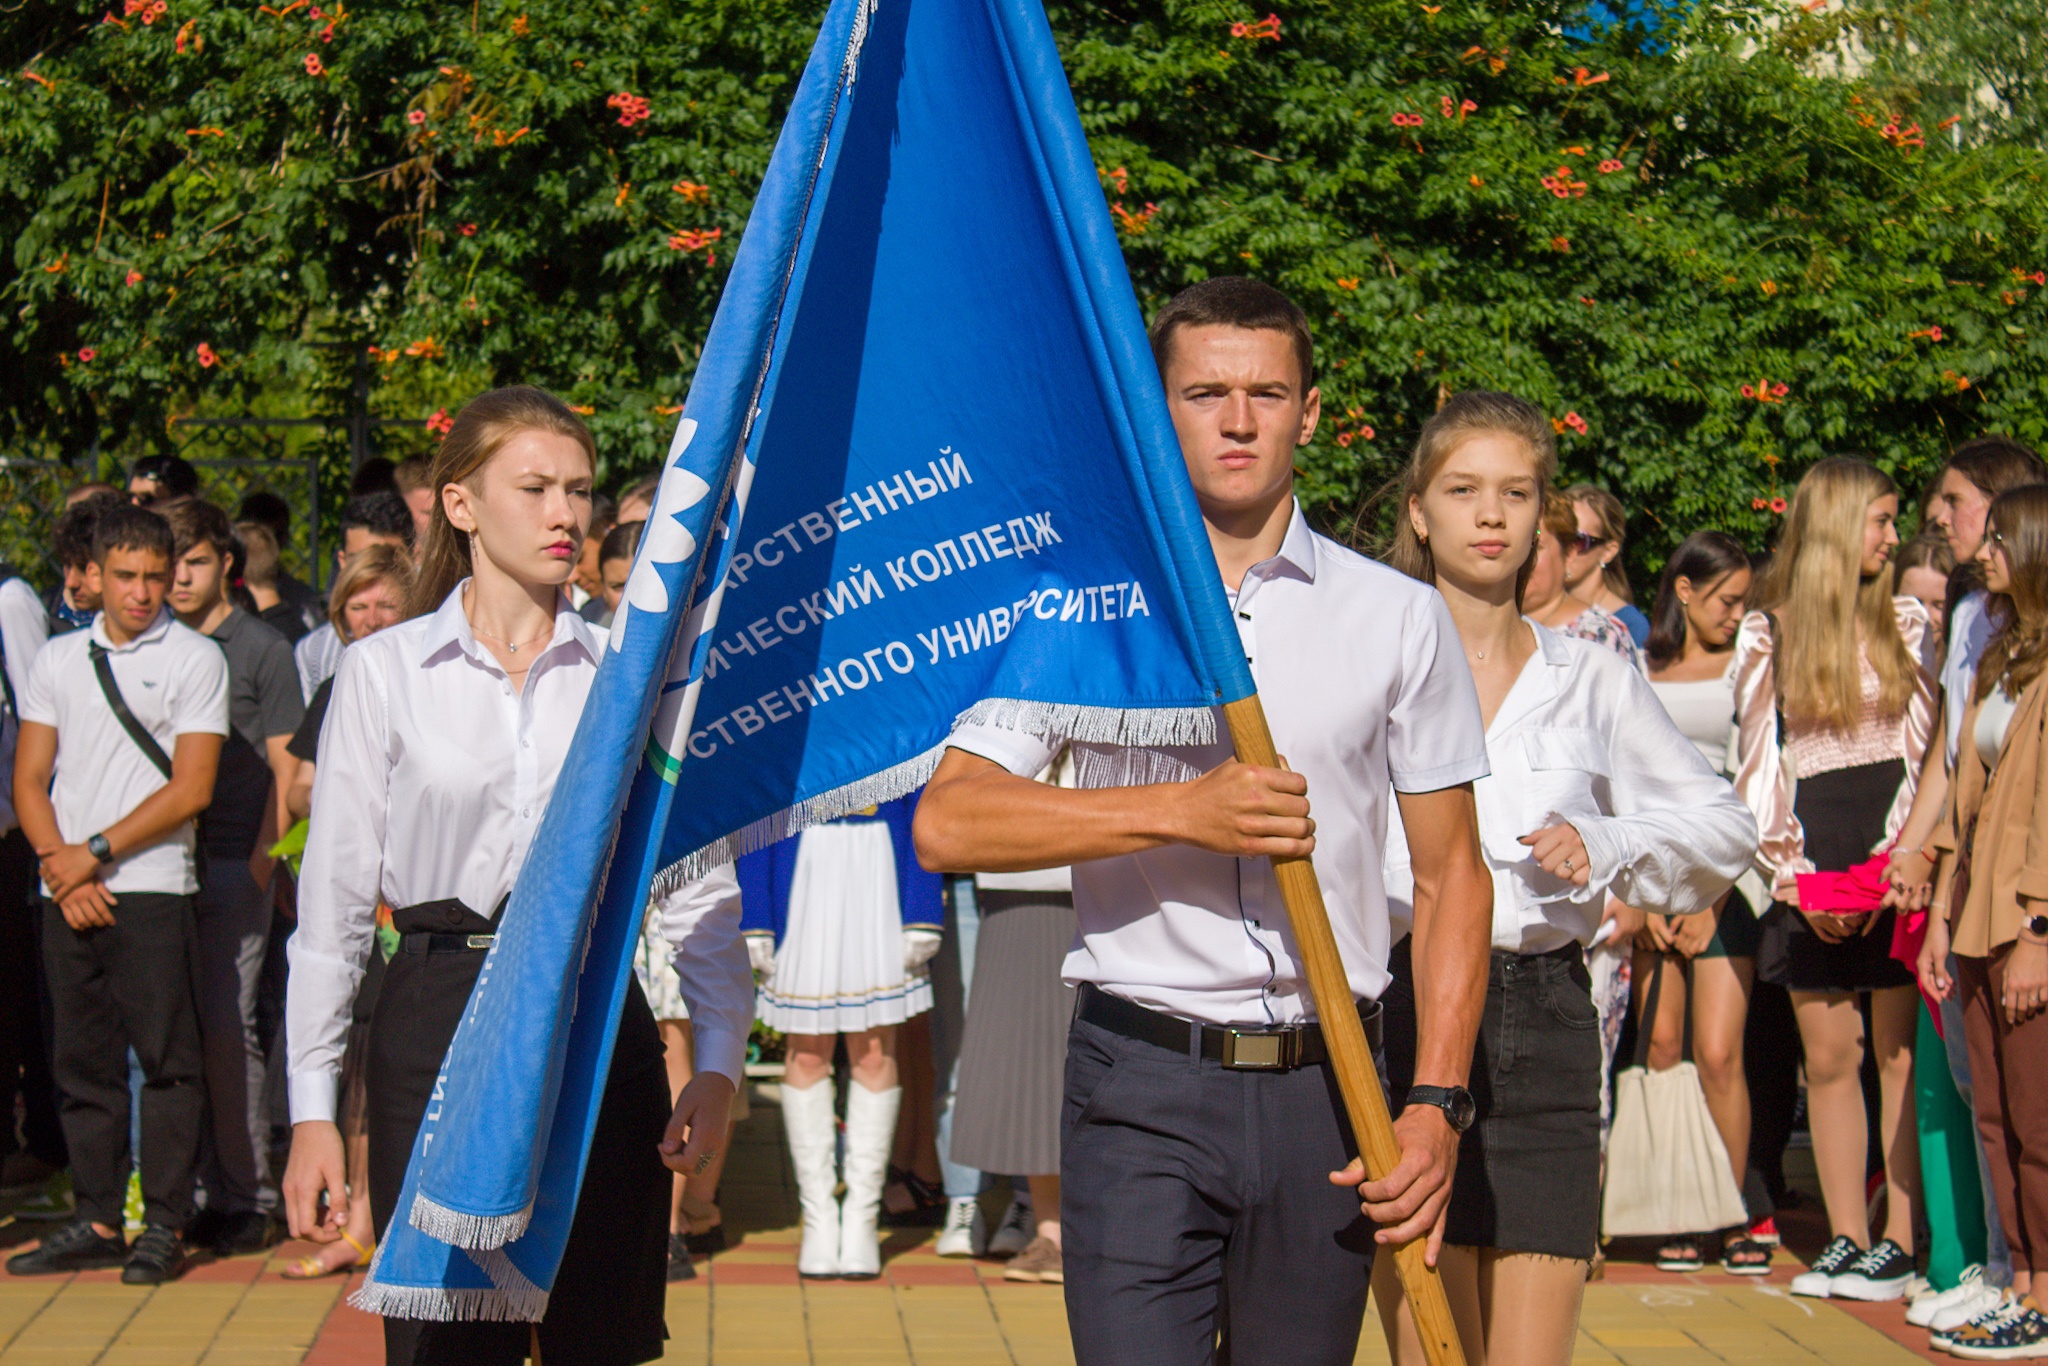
1582, 738
433, 774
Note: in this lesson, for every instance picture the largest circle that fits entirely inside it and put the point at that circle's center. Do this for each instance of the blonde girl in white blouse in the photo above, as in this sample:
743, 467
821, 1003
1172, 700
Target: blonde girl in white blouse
1593, 793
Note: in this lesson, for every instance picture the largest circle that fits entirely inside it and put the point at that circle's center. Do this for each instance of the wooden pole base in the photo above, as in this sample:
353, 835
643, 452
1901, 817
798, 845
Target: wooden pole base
1350, 1056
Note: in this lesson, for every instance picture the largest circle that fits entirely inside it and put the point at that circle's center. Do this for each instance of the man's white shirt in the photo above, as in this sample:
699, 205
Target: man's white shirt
1366, 689
175, 681
24, 626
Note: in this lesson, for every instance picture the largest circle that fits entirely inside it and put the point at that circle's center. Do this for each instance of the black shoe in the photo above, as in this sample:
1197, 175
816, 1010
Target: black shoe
205, 1227
679, 1267
73, 1247
704, 1244
245, 1233
158, 1256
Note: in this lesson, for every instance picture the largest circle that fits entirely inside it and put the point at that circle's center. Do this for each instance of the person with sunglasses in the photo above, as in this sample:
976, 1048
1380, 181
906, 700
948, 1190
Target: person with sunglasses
160, 480
1592, 560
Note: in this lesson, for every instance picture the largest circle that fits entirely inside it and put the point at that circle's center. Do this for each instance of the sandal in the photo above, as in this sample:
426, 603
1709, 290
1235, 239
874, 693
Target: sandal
1681, 1254
910, 1201
705, 1233
1745, 1256
312, 1268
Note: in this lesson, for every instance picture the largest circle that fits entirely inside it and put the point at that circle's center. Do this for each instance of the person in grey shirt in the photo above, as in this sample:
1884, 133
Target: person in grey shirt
243, 821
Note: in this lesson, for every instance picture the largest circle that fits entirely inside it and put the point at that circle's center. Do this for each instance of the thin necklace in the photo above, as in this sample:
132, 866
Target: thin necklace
512, 646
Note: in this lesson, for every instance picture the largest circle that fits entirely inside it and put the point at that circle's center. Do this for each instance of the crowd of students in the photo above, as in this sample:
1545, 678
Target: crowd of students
1798, 794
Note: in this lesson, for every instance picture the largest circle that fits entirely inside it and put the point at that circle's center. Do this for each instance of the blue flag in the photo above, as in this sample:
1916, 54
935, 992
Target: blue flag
925, 473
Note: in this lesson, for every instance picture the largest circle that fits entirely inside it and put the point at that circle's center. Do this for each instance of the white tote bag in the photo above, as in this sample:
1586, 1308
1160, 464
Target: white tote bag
1667, 1169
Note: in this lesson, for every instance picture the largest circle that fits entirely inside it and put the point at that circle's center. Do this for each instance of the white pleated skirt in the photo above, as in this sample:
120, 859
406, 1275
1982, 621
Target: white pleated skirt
840, 966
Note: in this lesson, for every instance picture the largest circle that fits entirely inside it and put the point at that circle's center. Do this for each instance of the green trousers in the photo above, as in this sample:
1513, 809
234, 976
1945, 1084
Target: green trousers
1952, 1194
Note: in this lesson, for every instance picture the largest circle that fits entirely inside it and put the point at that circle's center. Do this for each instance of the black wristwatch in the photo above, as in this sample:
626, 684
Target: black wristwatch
2036, 925
1455, 1101
97, 846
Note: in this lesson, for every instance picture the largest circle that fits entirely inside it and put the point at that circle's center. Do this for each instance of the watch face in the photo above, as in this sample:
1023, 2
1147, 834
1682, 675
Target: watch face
2037, 925
1462, 1109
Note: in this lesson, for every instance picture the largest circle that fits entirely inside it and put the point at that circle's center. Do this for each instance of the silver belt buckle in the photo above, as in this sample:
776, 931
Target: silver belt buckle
481, 941
1251, 1050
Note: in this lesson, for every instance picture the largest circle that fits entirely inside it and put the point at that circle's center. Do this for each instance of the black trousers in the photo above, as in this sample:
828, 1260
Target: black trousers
607, 1304
112, 989
24, 1011
1196, 1202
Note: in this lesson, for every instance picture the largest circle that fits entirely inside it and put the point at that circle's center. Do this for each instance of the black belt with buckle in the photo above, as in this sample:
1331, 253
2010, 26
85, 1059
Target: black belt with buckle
1248, 1050
445, 943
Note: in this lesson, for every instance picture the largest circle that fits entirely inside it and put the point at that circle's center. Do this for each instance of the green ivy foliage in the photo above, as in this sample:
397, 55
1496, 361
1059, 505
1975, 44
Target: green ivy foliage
1707, 254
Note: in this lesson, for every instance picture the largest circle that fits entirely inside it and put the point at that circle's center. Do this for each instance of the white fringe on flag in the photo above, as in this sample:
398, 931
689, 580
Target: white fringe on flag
1133, 729
511, 1298
523, 1298
472, 1231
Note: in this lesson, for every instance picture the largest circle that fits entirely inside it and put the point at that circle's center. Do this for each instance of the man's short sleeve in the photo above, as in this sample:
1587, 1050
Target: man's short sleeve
1435, 738
200, 706
278, 701
1022, 753
39, 702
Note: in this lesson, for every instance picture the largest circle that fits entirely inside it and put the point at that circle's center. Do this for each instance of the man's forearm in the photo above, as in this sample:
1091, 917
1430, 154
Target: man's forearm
1452, 949
995, 822
38, 818
160, 813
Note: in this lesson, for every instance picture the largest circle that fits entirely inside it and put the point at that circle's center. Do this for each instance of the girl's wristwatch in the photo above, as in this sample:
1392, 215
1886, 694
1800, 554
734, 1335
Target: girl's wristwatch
97, 846
2037, 926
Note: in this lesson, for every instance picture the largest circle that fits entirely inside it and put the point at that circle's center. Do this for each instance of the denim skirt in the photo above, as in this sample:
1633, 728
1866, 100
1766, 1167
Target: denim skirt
1529, 1167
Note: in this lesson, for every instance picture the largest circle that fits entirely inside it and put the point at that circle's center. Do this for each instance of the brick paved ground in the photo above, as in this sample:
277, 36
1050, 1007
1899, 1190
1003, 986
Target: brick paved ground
749, 1309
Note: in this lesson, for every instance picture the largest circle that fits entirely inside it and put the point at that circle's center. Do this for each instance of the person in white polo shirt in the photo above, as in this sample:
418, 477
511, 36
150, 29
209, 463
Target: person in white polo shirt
1206, 1191
121, 731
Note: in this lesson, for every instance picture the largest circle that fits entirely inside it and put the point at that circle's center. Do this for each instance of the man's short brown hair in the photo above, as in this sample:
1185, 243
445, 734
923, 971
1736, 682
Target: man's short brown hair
259, 546
194, 521
1233, 301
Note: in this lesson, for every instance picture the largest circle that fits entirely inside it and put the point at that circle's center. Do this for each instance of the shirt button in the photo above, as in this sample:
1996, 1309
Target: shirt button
525, 811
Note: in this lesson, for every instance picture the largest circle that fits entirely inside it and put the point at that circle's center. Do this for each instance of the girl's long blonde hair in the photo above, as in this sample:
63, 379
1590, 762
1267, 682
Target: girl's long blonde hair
481, 430
1464, 416
1829, 616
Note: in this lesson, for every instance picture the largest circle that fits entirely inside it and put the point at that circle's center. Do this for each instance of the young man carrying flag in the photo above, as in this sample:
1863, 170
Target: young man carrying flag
1204, 1154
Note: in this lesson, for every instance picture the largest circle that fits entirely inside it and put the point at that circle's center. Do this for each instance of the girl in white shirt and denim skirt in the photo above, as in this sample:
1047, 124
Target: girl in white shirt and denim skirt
442, 743
1593, 793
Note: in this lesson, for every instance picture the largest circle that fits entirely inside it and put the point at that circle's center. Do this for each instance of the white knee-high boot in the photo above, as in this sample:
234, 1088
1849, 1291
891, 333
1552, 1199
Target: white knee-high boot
870, 1136
813, 1145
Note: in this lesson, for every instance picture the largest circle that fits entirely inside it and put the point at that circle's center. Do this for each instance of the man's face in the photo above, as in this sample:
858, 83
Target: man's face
356, 539
198, 582
81, 587
420, 502
131, 586
1240, 410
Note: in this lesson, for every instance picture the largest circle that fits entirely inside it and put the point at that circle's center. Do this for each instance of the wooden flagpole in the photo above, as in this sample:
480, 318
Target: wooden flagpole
1350, 1056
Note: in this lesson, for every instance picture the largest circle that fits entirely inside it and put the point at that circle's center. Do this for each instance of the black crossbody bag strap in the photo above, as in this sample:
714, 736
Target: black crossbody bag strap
137, 732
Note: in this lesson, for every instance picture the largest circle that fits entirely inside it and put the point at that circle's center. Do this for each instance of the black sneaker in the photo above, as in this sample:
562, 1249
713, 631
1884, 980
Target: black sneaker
1879, 1274
679, 1267
242, 1234
705, 1244
74, 1247
205, 1226
1818, 1280
158, 1256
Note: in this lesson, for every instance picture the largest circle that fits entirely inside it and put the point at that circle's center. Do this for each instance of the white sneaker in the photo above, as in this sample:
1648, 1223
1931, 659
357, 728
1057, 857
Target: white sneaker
966, 1232
1015, 1233
1921, 1310
1834, 1259
1952, 1317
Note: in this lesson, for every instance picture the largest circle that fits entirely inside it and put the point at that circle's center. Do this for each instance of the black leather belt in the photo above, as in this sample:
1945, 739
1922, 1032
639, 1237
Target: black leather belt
445, 943
1249, 1050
